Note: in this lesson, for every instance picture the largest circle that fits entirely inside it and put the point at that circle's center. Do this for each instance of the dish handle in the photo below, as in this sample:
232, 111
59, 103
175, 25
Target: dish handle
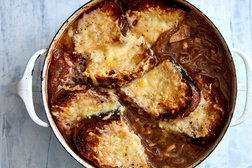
248, 66
24, 88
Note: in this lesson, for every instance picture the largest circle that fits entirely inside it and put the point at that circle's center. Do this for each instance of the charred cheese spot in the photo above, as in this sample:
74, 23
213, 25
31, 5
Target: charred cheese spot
112, 144
161, 90
150, 22
78, 105
199, 123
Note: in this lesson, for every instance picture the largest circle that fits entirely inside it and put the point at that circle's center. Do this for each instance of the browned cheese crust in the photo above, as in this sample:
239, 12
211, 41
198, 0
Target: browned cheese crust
74, 106
111, 144
207, 117
162, 90
109, 53
112, 54
152, 19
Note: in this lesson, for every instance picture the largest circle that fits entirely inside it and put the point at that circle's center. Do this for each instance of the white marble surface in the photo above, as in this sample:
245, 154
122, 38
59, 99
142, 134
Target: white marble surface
29, 25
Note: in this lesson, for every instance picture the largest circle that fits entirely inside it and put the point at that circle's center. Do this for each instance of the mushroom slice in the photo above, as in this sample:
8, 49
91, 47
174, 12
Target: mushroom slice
184, 32
111, 144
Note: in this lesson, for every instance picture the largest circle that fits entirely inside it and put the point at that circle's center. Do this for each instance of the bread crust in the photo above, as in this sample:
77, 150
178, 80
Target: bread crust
111, 144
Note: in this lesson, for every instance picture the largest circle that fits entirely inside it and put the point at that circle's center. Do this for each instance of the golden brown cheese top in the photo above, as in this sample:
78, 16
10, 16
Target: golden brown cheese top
199, 122
98, 27
119, 59
202, 122
113, 145
150, 22
83, 104
161, 90
109, 53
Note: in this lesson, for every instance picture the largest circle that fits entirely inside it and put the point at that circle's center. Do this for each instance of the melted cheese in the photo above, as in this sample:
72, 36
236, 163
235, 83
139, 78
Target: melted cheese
123, 58
118, 147
109, 54
94, 29
158, 91
153, 21
82, 105
198, 123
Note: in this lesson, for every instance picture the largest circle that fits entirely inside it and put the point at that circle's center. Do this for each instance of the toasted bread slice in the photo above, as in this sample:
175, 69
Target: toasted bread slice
160, 91
204, 121
110, 54
111, 144
96, 27
65, 72
121, 60
73, 106
150, 20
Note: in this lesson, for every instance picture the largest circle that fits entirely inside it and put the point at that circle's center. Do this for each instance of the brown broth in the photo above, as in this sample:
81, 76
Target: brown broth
164, 148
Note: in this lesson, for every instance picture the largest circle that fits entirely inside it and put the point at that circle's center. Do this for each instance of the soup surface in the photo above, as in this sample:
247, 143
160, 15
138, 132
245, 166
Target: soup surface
140, 84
